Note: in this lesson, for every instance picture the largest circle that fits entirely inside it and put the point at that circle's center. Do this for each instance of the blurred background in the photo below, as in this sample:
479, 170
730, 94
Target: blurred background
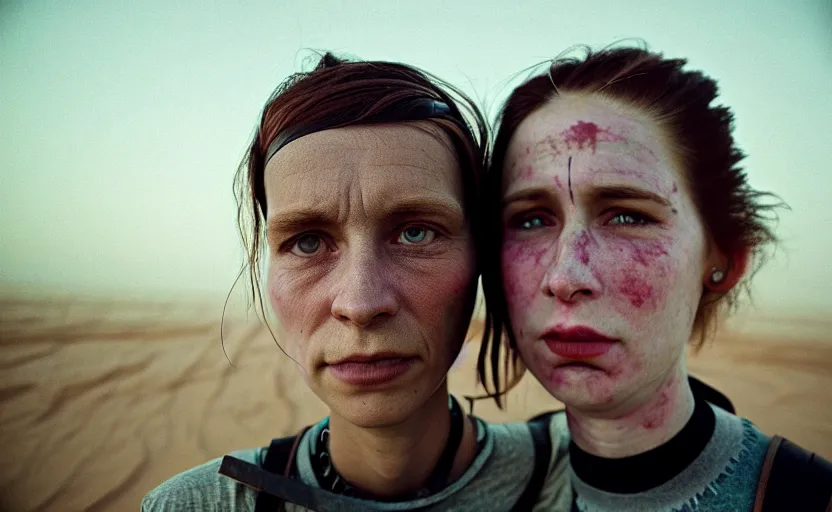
122, 123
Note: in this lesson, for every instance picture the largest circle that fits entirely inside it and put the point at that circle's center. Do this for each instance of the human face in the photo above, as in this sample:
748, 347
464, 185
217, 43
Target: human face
603, 252
371, 272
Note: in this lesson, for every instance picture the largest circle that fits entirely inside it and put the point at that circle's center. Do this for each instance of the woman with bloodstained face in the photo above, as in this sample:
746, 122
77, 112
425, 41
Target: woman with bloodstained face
363, 184
626, 226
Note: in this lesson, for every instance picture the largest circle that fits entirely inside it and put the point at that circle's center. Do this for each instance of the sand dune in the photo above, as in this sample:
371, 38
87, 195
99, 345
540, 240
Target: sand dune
102, 400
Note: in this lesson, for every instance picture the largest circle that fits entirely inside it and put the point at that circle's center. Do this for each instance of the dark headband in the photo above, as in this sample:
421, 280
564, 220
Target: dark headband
418, 110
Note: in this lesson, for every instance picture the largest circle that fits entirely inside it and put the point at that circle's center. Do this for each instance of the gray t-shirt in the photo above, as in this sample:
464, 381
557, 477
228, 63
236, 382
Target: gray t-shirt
494, 480
723, 477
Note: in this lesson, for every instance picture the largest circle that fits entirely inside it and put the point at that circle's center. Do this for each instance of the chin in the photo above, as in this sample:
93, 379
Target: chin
377, 409
581, 388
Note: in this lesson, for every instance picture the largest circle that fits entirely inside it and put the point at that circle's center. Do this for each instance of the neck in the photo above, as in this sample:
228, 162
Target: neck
637, 428
399, 459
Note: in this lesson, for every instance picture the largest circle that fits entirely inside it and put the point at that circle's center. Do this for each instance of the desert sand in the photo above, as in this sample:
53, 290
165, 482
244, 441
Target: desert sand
101, 400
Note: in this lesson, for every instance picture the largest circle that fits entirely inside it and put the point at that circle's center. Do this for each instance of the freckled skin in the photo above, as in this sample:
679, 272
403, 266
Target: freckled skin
637, 283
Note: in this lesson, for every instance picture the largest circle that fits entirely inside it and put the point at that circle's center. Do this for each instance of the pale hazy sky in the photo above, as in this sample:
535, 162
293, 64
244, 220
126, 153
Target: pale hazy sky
122, 123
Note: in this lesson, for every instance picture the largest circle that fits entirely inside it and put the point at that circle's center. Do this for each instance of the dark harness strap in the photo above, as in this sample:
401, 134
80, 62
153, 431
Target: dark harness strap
539, 427
793, 479
280, 459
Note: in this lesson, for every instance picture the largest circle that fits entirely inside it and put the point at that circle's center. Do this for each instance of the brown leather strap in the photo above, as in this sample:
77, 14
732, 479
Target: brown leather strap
768, 462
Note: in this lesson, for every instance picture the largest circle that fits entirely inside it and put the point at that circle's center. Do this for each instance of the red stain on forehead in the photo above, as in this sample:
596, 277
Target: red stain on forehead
582, 133
587, 134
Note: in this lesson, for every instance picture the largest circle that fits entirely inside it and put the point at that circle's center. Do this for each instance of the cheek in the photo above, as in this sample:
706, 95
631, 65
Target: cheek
636, 273
601, 387
293, 302
440, 298
281, 300
448, 288
522, 269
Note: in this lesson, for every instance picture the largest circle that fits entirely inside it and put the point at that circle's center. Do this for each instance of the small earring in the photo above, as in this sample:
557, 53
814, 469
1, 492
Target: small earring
717, 276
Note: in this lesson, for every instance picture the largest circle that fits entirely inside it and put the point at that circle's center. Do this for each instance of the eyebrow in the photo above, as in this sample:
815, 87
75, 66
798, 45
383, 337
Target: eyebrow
602, 193
624, 192
437, 207
305, 218
298, 220
529, 194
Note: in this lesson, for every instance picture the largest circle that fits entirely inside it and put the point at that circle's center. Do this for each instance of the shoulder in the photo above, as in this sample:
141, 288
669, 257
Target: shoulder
748, 438
203, 488
556, 493
520, 436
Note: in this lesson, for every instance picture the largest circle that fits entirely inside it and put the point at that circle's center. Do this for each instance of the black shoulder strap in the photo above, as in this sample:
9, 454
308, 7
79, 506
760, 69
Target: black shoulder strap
793, 479
279, 459
542, 440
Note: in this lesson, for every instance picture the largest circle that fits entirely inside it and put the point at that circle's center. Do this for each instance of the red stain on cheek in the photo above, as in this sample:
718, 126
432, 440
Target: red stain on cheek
637, 291
675, 188
558, 183
583, 134
641, 272
646, 252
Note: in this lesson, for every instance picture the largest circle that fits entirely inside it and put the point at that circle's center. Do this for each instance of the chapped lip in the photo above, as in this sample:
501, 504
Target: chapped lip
579, 333
371, 358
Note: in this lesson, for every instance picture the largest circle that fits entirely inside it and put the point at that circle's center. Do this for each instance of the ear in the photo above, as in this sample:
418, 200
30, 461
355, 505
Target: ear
733, 268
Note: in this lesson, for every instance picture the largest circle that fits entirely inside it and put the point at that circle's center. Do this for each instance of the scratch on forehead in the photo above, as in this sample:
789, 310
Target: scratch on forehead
569, 179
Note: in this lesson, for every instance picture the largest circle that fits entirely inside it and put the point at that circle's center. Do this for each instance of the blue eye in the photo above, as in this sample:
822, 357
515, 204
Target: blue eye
630, 218
307, 245
416, 235
532, 223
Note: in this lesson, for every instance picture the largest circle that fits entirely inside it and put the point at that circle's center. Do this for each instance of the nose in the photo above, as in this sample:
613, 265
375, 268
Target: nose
366, 291
570, 278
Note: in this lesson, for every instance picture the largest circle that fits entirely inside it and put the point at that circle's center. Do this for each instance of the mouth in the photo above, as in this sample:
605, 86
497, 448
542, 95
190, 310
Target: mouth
371, 370
577, 343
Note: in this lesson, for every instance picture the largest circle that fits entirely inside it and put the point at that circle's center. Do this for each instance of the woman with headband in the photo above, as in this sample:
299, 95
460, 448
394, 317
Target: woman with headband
363, 182
625, 225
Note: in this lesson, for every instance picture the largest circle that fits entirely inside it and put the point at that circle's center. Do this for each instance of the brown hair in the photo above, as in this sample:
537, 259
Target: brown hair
734, 214
340, 93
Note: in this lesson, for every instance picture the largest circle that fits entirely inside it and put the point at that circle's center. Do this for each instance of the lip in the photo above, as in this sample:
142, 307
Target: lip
578, 342
371, 370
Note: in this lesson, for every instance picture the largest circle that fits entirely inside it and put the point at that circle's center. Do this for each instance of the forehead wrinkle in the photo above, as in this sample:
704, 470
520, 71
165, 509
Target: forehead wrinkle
363, 165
